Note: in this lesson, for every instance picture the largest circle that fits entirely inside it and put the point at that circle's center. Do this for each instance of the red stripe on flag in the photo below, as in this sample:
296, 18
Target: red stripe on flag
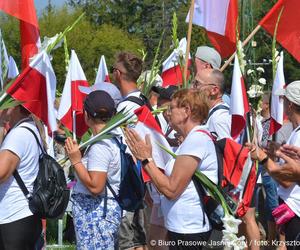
30, 87
77, 96
81, 127
226, 44
173, 76
238, 123
288, 32
274, 126
145, 116
29, 39
107, 79
21, 9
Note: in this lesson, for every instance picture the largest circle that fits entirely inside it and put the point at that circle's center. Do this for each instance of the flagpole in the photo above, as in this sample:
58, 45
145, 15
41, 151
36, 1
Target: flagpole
188, 42
74, 124
251, 35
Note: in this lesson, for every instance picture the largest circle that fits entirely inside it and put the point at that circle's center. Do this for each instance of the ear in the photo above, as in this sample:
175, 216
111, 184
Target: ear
215, 90
188, 111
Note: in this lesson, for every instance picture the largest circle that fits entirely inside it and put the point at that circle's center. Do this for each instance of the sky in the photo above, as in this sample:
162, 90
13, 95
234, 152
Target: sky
41, 4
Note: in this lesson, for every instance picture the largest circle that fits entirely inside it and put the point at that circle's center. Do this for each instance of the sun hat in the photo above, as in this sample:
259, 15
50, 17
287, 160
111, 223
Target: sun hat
291, 92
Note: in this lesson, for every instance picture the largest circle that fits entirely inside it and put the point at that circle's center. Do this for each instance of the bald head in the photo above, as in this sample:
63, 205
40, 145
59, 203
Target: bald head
210, 77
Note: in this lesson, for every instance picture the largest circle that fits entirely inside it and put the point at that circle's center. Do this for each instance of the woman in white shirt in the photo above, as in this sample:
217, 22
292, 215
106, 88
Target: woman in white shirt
19, 228
96, 224
187, 224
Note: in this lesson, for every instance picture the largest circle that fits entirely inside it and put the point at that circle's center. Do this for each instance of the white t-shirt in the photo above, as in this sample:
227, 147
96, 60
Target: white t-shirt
159, 156
103, 156
129, 105
13, 203
220, 122
291, 195
185, 214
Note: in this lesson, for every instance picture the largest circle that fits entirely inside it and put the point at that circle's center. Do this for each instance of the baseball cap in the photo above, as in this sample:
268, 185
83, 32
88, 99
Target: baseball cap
110, 88
209, 55
165, 93
99, 104
291, 92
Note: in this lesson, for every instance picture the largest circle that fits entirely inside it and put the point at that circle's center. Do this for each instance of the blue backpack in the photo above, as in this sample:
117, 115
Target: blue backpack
132, 187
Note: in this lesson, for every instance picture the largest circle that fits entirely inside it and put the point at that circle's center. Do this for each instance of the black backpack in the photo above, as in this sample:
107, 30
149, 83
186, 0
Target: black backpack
50, 195
132, 187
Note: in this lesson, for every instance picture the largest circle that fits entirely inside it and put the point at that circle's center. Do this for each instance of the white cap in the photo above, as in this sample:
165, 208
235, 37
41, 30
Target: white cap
291, 92
110, 88
209, 55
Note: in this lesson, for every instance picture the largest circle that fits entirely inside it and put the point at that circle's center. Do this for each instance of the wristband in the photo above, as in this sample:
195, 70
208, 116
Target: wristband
76, 163
263, 161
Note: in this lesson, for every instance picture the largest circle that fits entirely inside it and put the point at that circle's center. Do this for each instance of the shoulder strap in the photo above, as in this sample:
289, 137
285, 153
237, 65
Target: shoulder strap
220, 169
136, 100
21, 184
215, 109
207, 133
36, 138
16, 173
121, 146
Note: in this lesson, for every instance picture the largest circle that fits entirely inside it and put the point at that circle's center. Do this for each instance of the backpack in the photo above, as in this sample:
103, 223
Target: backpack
50, 195
132, 187
231, 158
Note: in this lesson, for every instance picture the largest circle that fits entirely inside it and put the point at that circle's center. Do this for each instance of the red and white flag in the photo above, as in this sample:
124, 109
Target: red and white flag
288, 32
148, 125
102, 73
24, 10
219, 18
4, 61
277, 102
13, 70
72, 99
36, 87
171, 71
239, 105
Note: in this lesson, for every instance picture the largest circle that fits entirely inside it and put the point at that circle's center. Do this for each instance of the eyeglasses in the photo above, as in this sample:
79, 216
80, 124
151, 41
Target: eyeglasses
170, 108
196, 84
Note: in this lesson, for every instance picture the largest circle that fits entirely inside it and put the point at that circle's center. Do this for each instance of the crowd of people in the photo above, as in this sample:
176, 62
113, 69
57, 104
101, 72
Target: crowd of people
176, 211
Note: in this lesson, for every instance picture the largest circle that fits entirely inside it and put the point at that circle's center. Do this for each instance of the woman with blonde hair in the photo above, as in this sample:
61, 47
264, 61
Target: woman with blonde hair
184, 216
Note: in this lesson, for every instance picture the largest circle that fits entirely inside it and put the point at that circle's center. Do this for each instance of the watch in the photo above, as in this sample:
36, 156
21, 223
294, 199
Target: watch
263, 161
146, 161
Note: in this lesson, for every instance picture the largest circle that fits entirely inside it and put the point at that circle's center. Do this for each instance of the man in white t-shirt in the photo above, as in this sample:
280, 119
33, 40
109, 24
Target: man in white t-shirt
126, 71
211, 82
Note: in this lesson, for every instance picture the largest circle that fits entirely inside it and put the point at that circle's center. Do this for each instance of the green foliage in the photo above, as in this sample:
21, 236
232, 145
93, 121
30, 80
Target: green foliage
89, 41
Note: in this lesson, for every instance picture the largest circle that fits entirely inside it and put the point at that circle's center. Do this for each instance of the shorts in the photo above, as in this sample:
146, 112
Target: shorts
132, 230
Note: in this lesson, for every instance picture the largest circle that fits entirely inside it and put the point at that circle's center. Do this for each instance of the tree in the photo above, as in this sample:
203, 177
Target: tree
147, 19
88, 40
